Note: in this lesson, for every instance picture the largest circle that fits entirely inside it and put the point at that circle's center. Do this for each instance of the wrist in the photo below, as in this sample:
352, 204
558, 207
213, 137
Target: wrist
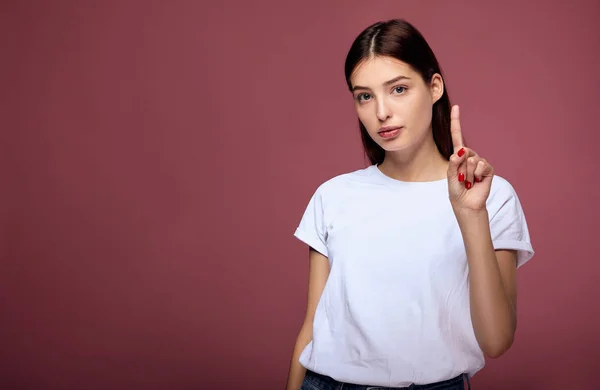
474, 226
468, 214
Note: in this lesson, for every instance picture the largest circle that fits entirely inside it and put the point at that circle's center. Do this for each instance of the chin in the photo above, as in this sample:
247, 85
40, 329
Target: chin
394, 145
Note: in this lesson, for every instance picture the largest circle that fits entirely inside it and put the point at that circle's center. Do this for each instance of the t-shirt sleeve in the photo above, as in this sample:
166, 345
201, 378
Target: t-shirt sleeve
311, 229
508, 225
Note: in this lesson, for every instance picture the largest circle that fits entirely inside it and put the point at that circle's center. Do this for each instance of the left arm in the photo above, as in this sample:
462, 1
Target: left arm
493, 284
492, 274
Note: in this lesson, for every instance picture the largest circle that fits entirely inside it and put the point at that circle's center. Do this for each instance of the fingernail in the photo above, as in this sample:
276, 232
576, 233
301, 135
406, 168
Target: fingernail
468, 185
461, 177
461, 152
478, 180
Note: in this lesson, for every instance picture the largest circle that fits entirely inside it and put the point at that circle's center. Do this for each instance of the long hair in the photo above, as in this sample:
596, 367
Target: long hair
399, 39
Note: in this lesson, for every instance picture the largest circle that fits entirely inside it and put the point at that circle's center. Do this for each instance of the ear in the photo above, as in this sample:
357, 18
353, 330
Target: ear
436, 87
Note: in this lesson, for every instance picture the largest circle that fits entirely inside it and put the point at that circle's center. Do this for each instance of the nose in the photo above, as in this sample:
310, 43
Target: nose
383, 111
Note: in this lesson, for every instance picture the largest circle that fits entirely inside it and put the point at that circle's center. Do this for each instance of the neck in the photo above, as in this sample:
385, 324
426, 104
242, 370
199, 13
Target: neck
420, 164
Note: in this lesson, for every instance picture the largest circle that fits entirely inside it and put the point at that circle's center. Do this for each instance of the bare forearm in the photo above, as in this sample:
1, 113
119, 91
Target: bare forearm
297, 371
492, 311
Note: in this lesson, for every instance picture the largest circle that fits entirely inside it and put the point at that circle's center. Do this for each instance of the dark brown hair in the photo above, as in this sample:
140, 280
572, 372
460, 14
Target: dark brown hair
399, 39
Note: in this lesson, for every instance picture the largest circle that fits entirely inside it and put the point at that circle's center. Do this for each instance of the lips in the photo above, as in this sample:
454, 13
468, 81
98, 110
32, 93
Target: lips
388, 128
389, 131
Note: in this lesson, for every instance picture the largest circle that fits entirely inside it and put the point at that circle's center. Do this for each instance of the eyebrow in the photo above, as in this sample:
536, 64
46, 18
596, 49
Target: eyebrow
392, 81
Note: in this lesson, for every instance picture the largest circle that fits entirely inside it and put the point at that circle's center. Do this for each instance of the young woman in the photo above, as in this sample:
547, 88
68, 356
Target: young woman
413, 259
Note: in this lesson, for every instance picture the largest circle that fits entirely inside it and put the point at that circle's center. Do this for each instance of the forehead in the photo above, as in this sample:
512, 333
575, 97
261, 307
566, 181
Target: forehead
374, 71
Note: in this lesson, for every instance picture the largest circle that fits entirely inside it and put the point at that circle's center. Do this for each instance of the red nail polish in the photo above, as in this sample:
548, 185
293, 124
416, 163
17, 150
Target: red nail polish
461, 177
478, 180
461, 152
468, 185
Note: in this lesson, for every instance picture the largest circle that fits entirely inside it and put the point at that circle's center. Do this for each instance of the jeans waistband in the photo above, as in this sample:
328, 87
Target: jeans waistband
327, 382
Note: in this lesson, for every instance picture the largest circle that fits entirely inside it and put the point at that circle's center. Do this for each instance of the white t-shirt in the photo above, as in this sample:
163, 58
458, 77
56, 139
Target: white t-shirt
395, 308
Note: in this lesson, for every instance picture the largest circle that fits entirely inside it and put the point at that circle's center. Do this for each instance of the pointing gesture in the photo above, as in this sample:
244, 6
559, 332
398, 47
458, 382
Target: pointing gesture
455, 131
469, 175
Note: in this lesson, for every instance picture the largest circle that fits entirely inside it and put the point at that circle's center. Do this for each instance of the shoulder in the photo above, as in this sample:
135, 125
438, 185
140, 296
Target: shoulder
342, 182
501, 189
503, 196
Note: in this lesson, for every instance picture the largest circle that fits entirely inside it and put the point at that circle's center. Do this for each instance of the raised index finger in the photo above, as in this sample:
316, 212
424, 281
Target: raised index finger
457, 140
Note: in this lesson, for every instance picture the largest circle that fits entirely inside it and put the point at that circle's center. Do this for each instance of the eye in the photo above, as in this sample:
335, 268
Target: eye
363, 97
399, 89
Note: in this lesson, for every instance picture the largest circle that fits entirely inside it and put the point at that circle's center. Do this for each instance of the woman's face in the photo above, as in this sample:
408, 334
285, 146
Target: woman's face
393, 102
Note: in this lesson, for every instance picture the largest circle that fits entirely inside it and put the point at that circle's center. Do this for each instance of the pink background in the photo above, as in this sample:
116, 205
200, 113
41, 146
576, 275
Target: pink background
157, 156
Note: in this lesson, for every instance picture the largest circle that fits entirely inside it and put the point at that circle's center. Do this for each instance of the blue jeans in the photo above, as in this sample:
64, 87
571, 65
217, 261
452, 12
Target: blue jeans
314, 381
